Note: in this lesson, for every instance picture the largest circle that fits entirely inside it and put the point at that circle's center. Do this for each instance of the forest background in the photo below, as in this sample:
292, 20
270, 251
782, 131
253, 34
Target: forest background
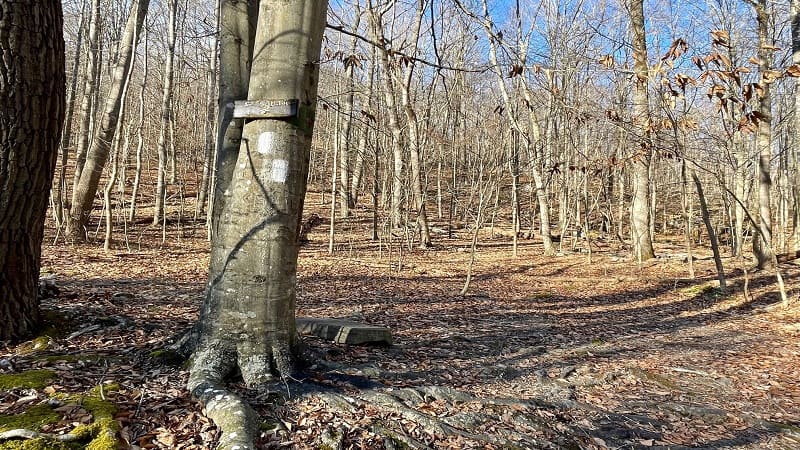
502, 134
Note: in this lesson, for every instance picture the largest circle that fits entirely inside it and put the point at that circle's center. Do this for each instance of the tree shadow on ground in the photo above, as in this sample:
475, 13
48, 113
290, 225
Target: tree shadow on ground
533, 340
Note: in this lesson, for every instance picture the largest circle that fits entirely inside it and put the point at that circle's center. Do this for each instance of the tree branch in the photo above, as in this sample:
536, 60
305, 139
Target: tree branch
437, 66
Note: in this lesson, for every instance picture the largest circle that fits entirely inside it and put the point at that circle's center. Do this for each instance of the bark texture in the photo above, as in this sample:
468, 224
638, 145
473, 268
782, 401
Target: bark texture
640, 207
166, 111
248, 316
32, 92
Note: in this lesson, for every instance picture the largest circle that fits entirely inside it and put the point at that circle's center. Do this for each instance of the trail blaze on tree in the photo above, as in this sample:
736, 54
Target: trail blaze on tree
32, 96
248, 314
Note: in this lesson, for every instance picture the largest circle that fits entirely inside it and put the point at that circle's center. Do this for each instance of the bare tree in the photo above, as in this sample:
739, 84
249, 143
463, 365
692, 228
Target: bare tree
97, 154
166, 110
641, 218
795, 25
762, 248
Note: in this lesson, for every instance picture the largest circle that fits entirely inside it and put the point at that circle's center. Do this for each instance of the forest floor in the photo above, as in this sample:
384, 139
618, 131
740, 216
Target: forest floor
546, 352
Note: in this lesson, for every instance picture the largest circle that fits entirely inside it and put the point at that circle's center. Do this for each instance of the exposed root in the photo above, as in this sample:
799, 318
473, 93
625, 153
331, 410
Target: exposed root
416, 417
30, 434
234, 417
213, 361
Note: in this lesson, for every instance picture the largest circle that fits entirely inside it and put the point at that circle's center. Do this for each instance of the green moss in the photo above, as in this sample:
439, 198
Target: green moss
167, 357
105, 388
35, 345
55, 324
100, 409
98, 435
35, 444
31, 379
103, 433
32, 419
701, 290
270, 426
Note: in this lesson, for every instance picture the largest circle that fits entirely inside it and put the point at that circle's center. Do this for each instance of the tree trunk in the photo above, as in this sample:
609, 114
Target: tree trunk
210, 123
237, 33
712, 236
414, 137
640, 202
90, 86
137, 176
531, 136
115, 156
363, 139
31, 121
795, 23
389, 91
59, 188
97, 155
166, 112
345, 197
248, 314
762, 248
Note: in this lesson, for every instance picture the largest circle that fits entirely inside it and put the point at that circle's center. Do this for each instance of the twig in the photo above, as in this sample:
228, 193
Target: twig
694, 372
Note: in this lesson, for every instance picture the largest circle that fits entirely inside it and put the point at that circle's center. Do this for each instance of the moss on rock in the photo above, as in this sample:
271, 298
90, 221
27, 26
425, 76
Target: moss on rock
31, 379
36, 444
32, 419
102, 432
38, 344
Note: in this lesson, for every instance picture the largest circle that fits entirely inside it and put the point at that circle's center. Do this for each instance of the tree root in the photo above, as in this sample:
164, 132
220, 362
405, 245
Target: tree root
21, 433
234, 417
405, 422
411, 417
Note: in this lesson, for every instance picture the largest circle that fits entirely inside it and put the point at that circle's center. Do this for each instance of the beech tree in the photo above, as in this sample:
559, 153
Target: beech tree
641, 218
32, 92
248, 317
762, 247
87, 176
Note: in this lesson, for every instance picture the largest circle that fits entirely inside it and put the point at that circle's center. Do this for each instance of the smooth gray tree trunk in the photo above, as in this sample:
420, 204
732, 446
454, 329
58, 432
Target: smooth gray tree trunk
209, 124
60, 187
248, 314
166, 111
86, 187
90, 86
762, 248
640, 202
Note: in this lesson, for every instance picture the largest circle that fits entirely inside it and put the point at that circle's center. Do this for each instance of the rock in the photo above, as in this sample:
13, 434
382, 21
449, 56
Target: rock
48, 288
344, 331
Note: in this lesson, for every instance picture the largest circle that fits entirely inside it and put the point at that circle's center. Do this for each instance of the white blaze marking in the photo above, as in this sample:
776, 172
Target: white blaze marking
279, 169
265, 143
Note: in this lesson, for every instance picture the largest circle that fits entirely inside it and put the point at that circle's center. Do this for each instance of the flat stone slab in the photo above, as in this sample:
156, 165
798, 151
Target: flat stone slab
344, 331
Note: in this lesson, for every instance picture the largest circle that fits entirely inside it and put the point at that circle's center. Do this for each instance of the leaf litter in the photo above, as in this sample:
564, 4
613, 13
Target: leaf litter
545, 352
